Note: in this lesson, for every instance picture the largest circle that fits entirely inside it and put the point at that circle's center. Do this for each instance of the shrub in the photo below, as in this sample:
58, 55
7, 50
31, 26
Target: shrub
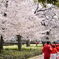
14, 54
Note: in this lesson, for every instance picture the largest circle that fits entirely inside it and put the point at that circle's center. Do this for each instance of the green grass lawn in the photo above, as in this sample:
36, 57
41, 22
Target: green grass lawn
32, 46
11, 52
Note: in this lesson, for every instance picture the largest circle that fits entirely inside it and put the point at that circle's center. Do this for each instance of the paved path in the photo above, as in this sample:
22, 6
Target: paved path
36, 57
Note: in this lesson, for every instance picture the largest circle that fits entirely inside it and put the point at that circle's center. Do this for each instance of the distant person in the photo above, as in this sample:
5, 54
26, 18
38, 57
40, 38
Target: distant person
36, 43
47, 50
54, 51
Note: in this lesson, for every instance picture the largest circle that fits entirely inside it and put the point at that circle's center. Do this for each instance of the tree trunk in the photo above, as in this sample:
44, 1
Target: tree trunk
19, 42
27, 43
1, 44
43, 43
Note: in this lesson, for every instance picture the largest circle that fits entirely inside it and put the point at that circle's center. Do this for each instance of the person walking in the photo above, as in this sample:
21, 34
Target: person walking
47, 50
42, 57
36, 43
54, 51
57, 47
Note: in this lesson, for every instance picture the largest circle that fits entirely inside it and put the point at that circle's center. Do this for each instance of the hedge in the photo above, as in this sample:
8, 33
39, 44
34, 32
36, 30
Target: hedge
24, 54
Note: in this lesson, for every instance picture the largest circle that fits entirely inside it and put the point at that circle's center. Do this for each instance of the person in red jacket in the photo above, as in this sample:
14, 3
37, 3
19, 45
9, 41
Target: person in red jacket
57, 47
47, 50
54, 51
36, 43
43, 53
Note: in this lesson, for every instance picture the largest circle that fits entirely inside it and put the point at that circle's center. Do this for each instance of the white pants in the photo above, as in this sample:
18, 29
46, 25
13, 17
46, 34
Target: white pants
42, 56
53, 56
57, 55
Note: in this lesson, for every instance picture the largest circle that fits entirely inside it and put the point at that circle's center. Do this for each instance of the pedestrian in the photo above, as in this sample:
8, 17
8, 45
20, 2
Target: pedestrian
54, 51
36, 43
57, 47
43, 53
47, 50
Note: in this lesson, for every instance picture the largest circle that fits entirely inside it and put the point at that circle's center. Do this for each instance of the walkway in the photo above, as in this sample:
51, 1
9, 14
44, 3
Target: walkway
36, 57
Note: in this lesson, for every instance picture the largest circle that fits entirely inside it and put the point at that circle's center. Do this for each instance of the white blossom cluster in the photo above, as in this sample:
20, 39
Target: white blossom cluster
18, 18
50, 22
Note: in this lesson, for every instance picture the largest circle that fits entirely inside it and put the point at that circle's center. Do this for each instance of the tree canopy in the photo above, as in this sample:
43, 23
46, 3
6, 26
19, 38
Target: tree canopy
54, 2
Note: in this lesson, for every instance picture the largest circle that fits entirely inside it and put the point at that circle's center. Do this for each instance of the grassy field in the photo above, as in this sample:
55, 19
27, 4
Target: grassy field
15, 47
11, 52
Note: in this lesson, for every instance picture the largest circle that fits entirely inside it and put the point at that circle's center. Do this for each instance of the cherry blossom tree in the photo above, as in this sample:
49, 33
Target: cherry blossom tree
17, 18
